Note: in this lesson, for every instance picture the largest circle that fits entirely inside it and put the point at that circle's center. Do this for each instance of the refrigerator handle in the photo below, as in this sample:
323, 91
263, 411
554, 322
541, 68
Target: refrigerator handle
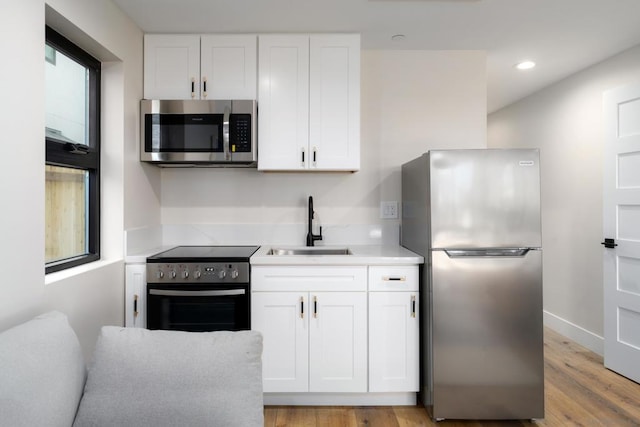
510, 252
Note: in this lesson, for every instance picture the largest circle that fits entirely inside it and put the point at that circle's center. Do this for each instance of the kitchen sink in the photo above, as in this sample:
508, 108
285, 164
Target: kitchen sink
309, 251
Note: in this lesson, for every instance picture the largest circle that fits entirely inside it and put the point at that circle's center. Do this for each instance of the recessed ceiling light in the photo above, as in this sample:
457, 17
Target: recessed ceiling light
525, 65
398, 37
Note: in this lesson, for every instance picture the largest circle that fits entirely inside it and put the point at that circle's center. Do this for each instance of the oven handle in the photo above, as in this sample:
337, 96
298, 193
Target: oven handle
172, 293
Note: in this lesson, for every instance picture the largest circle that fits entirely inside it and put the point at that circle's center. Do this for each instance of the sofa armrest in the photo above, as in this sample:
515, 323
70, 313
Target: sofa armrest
42, 373
170, 378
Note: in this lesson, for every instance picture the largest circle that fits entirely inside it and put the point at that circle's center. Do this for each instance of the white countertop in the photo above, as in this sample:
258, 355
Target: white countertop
360, 255
140, 257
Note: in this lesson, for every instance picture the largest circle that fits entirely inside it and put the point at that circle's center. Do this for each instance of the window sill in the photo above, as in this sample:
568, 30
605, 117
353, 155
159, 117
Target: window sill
59, 276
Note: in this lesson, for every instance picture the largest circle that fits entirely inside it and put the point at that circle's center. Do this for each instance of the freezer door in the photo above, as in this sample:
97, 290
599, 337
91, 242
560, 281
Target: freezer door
484, 198
487, 335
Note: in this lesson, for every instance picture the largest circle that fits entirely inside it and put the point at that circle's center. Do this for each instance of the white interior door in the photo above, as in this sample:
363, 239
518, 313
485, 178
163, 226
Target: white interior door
621, 256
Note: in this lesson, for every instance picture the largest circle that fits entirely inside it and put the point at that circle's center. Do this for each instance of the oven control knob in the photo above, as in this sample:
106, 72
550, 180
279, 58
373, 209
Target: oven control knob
196, 274
222, 274
234, 274
172, 273
160, 274
185, 274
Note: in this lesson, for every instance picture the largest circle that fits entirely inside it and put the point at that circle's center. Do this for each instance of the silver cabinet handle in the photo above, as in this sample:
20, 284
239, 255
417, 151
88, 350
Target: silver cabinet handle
172, 293
303, 159
193, 87
302, 307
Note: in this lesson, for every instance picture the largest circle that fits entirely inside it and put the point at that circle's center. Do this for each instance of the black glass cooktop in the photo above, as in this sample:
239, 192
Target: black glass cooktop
205, 253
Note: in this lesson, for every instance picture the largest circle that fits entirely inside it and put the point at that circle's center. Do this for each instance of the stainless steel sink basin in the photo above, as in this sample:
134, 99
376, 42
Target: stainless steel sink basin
309, 251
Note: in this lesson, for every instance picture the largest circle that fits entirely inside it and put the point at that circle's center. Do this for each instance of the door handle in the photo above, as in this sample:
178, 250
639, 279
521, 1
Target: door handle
609, 243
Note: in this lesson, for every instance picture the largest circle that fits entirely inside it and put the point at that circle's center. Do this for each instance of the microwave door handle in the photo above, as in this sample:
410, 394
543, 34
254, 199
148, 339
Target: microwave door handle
225, 133
174, 293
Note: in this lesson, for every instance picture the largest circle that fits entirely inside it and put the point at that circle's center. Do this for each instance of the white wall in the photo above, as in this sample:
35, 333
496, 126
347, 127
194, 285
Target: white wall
412, 101
90, 295
565, 122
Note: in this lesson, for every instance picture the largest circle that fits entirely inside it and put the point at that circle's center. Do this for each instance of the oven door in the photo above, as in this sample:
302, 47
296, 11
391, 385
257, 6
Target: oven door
198, 308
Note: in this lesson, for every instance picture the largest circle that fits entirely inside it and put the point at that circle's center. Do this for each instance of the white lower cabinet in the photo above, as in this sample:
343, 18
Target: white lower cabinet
393, 329
282, 319
338, 342
393, 341
135, 296
337, 329
315, 339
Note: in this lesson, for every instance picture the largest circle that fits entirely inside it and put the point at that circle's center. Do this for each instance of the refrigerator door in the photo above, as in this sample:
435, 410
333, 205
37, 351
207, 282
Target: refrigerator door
484, 198
487, 335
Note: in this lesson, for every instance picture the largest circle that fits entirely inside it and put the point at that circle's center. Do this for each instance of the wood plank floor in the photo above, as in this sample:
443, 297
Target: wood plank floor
579, 391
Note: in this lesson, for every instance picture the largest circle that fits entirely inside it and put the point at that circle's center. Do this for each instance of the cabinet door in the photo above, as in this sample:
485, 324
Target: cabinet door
334, 102
228, 66
338, 342
282, 319
393, 342
283, 96
135, 296
171, 66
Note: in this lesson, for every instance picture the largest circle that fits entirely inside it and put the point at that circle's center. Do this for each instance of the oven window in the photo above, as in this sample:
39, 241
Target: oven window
198, 310
200, 133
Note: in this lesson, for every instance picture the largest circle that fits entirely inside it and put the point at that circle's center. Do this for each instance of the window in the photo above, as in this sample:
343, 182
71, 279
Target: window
72, 170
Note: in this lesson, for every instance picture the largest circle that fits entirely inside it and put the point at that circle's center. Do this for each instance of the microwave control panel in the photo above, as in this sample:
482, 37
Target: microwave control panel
240, 133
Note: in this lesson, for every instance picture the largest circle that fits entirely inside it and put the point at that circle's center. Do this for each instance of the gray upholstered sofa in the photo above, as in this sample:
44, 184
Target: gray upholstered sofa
137, 377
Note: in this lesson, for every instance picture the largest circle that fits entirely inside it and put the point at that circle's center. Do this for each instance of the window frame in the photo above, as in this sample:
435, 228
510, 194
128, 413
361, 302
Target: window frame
80, 156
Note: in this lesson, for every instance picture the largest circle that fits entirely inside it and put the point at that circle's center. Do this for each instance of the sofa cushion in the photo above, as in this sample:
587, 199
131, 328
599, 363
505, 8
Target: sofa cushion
42, 373
170, 378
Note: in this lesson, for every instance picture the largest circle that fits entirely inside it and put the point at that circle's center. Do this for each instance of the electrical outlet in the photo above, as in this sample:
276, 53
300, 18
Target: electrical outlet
389, 210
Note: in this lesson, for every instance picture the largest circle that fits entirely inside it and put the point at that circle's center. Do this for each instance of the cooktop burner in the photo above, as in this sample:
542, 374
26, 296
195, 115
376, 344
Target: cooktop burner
205, 253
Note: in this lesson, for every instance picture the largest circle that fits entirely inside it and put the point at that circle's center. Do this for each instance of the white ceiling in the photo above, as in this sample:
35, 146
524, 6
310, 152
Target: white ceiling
562, 36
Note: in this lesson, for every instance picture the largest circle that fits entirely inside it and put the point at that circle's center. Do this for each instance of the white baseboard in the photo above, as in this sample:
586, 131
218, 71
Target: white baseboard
574, 332
341, 399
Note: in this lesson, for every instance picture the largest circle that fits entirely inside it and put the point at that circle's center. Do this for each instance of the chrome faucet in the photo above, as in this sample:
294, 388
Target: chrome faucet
311, 238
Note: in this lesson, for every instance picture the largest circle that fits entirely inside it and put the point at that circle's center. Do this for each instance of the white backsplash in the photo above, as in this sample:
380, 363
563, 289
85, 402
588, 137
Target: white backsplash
146, 238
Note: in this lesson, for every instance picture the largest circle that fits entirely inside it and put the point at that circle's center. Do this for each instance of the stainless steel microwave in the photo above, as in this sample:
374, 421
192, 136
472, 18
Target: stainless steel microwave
199, 132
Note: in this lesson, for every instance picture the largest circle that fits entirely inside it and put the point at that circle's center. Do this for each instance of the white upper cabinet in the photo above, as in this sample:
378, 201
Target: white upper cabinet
200, 67
309, 97
283, 99
228, 65
171, 66
334, 102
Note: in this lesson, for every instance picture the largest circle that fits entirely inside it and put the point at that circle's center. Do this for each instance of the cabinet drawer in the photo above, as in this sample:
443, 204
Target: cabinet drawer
313, 279
390, 278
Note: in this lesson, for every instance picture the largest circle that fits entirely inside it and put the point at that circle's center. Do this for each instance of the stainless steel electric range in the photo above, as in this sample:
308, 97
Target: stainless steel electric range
200, 288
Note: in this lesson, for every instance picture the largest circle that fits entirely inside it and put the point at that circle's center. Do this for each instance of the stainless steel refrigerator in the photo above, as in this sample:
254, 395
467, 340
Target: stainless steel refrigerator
475, 217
